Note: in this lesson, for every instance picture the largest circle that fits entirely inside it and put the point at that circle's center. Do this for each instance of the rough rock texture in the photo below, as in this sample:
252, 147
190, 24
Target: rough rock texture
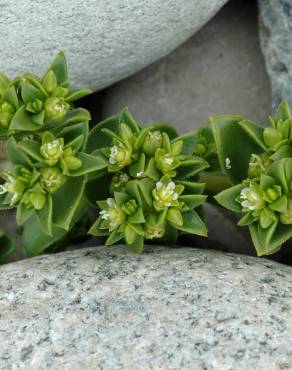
105, 40
219, 70
276, 41
169, 309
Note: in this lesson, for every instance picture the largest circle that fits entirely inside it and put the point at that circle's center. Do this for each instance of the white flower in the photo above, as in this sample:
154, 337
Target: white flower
251, 198
227, 163
139, 174
165, 194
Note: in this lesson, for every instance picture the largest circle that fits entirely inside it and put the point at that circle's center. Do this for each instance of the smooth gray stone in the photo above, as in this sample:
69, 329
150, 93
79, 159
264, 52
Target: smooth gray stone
105, 40
219, 70
276, 40
172, 309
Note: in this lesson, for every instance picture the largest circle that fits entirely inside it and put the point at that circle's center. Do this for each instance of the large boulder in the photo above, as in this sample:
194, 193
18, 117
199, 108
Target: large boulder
105, 40
219, 70
276, 41
104, 308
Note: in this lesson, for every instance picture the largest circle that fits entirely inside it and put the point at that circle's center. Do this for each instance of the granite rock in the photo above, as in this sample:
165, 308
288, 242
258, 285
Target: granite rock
219, 70
105, 40
168, 309
276, 41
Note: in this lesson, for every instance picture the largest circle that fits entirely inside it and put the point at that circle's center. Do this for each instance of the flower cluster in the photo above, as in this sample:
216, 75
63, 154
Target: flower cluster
262, 190
29, 103
45, 141
152, 188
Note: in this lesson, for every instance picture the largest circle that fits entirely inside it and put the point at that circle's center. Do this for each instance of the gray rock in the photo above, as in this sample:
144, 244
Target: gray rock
219, 70
276, 41
105, 40
169, 309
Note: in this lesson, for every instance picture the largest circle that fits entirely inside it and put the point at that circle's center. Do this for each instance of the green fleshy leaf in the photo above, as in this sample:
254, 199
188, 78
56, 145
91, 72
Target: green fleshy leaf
193, 224
23, 213
146, 186
191, 167
281, 171
138, 167
280, 205
31, 148
6, 246
137, 245
255, 132
265, 235
193, 200
97, 139
113, 238
90, 163
16, 155
10, 96
137, 218
66, 201
151, 170
30, 93
233, 144
283, 111
98, 189
133, 190
45, 216
96, 231
189, 142
76, 144
247, 219
77, 94
74, 132
192, 187
126, 117
59, 67
227, 198
23, 121
121, 198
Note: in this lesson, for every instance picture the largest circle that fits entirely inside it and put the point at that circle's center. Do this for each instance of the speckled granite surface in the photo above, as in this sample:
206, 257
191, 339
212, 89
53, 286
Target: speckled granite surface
101, 308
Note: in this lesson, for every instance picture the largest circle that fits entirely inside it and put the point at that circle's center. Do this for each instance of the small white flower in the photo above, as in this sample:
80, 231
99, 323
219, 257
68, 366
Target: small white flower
165, 194
227, 163
139, 174
104, 215
168, 160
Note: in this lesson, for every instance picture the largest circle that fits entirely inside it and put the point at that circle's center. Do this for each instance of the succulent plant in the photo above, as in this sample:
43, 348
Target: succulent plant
150, 182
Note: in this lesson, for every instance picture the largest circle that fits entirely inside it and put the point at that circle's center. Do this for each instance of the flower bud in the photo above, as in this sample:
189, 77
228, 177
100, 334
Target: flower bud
166, 163
52, 151
72, 162
56, 108
200, 150
251, 198
130, 207
119, 182
50, 82
113, 214
5, 119
120, 155
51, 179
35, 107
272, 136
258, 165
273, 193
152, 141
7, 108
152, 228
